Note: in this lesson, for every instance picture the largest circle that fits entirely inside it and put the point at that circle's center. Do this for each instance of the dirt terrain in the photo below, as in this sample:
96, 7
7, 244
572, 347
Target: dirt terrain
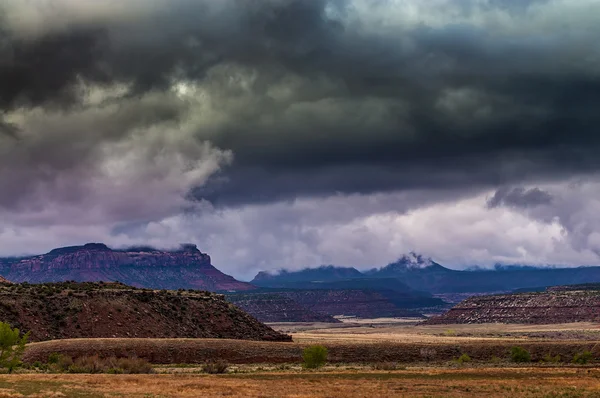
88, 310
488, 382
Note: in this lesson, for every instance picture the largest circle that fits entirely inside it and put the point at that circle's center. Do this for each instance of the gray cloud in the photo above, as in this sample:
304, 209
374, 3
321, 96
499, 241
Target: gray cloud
520, 197
307, 92
143, 109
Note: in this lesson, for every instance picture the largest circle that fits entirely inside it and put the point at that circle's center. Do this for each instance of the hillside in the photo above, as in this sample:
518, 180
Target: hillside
321, 305
274, 307
186, 268
549, 307
349, 302
90, 310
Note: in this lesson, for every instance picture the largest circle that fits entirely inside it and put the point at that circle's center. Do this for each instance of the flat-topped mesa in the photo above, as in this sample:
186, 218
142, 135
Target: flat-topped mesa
186, 267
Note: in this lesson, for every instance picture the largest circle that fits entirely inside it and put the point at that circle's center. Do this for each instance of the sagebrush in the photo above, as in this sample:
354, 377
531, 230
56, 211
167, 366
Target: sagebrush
520, 355
314, 357
215, 367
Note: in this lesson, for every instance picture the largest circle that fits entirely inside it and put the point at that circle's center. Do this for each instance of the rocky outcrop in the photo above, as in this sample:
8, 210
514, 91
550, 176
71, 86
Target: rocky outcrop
186, 268
95, 310
550, 307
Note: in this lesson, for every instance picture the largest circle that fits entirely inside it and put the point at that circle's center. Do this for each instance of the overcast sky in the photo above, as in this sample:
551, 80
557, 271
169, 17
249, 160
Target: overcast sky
293, 133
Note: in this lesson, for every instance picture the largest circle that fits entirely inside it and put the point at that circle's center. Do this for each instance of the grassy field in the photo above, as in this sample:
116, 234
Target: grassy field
403, 343
425, 357
512, 383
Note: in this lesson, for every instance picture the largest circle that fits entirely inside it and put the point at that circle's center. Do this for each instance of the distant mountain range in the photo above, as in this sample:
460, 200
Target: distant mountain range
417, 273
186, 268
410, 286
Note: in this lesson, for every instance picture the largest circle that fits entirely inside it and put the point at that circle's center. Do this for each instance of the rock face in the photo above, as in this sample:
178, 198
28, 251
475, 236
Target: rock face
186, 268
552, 306
94, 310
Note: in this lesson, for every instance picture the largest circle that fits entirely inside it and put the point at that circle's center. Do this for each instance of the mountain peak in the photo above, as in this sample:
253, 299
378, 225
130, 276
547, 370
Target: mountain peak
412, 260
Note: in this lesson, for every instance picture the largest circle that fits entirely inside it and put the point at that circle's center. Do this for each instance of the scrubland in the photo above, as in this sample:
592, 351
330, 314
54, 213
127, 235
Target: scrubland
364, 360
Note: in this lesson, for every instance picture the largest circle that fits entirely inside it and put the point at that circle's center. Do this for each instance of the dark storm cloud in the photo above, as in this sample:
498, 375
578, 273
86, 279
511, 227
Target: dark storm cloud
363, 106
520, 197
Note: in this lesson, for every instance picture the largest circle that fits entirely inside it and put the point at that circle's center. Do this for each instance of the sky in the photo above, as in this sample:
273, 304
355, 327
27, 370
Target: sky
292, 133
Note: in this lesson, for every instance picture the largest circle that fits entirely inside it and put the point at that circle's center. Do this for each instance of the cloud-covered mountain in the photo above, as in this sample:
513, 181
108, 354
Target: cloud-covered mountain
414, 272
186, 268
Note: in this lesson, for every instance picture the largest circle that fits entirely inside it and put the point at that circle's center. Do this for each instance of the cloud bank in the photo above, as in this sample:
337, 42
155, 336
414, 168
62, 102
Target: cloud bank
292, 133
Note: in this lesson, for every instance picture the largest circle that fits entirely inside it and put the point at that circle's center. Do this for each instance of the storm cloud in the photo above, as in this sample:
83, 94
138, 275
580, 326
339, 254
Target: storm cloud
124, 114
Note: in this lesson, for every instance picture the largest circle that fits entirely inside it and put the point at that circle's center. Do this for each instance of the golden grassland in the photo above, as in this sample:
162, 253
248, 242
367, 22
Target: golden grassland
425, 358
482, 382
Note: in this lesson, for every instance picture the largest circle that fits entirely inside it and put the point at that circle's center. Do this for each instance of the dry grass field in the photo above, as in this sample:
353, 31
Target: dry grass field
514, 383
425, 356
177, 351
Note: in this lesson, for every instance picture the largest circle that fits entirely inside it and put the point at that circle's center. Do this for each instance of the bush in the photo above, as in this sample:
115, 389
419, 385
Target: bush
314, 357
551, 359
215, 367
464, 358
519, 354
583, 357
54, 358
12, 346
385, 366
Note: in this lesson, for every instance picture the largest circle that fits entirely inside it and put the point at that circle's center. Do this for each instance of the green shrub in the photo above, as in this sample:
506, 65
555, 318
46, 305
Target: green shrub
215, 367
464, 358
54, 358
12, 346
583, 357
314, 357
519, 354
551, 359
495, 359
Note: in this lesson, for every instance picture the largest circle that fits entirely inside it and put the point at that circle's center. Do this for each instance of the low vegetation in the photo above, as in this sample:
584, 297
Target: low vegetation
583, 358
314, 357
464, 358
520, 355
551, 359
456, 383
215, 367
12, 346
93, 365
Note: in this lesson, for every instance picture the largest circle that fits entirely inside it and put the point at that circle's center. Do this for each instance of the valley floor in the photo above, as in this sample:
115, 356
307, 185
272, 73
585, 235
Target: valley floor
506, 382
423, 357
409, 330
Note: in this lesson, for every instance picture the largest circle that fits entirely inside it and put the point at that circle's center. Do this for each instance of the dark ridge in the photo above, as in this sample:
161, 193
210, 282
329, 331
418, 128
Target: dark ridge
111, 309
